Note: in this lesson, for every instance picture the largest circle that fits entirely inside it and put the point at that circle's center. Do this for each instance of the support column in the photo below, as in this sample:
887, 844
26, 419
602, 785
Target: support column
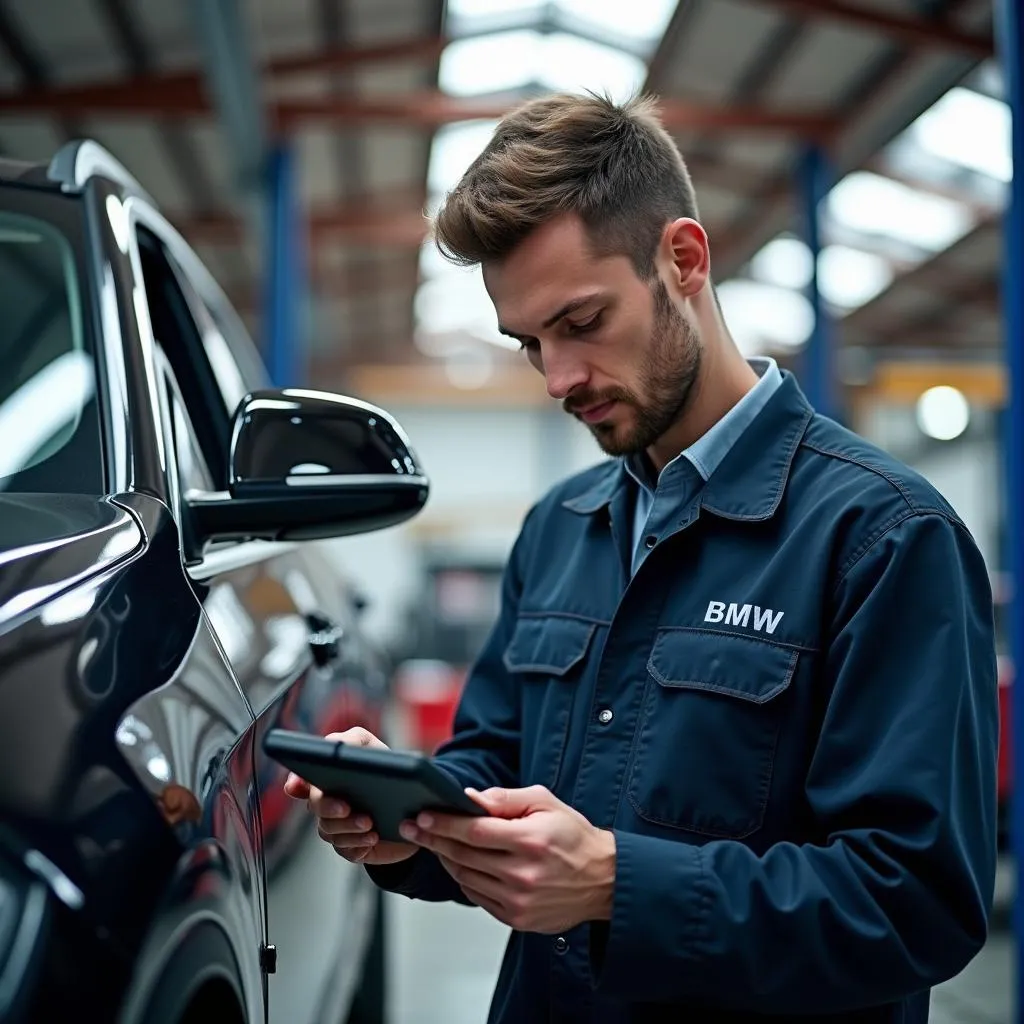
1009, 24
284, 290
817, 367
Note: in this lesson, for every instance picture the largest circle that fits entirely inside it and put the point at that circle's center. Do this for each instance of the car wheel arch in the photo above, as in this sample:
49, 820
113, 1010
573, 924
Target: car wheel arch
200, 970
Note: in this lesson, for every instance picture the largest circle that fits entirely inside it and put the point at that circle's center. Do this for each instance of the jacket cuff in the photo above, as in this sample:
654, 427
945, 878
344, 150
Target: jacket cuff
659, 919
401, 878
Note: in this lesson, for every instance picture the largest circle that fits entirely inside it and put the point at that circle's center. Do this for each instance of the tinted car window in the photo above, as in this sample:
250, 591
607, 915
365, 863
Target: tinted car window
234, 359
49, 419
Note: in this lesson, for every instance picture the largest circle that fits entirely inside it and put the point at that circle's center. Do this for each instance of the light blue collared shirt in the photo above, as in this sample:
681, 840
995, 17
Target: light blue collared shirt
657, 506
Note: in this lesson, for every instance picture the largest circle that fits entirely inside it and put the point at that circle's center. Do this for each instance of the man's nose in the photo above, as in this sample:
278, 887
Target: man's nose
563, 374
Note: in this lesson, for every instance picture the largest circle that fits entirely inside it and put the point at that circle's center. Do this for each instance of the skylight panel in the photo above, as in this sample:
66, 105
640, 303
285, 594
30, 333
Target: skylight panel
491, 63
571, 64
873, 204
847, 278
785, 262
454, 148
764, 318
455, 306
968, 129
638, 20
559, 61
489, 8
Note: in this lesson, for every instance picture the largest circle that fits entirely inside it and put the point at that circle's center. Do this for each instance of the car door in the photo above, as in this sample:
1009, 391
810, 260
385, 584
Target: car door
284, 630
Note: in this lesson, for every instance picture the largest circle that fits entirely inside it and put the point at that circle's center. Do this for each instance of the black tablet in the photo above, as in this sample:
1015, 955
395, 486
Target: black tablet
389, 786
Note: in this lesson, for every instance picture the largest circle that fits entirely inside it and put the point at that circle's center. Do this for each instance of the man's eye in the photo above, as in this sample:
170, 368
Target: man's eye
587, 325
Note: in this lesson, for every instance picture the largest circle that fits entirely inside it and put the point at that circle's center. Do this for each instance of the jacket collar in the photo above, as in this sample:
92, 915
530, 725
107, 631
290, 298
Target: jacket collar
750, 481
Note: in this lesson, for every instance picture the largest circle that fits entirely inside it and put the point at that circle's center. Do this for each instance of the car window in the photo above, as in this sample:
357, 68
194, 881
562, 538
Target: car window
193, 472
49, 414
178, 336
233, 357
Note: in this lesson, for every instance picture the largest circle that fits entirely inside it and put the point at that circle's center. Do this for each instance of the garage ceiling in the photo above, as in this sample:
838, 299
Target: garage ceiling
385, 101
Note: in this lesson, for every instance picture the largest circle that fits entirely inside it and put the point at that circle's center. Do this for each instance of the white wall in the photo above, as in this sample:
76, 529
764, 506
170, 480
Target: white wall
486, 468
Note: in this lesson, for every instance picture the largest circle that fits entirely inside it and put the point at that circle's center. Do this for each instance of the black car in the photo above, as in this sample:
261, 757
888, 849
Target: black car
164, 601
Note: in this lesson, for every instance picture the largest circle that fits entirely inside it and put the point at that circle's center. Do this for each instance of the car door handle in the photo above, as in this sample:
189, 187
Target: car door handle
324, 639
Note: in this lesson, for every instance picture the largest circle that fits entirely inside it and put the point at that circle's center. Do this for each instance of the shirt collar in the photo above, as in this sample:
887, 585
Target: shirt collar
707, 452
749, 481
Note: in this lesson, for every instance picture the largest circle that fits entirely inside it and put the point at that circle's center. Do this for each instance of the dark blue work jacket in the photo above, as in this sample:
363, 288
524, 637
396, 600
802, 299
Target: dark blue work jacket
788, 717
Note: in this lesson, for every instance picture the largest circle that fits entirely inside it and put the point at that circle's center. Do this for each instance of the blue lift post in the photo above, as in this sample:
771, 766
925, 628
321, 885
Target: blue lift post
1009, 24
285, 273
817, 375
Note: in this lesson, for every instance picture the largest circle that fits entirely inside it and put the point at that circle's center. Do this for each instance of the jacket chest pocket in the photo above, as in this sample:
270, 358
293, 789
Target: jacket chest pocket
546, 656
706, 746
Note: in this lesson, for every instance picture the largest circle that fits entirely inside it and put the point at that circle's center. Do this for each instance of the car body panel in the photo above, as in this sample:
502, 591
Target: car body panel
135, 691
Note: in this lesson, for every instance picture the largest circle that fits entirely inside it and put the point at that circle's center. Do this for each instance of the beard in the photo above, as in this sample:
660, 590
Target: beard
667, 376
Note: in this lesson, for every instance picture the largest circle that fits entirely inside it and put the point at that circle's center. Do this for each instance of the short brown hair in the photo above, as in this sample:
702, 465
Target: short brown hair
613, 165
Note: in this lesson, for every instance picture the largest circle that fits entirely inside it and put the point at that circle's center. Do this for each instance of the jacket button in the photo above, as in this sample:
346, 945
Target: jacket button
605, 716
561, 945
649, 541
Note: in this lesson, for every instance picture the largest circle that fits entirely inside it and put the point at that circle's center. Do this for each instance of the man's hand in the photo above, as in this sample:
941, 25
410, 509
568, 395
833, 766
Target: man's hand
536, 865
351, 837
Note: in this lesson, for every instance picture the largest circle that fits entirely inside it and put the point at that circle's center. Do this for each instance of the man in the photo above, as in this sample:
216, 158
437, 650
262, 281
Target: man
736, 723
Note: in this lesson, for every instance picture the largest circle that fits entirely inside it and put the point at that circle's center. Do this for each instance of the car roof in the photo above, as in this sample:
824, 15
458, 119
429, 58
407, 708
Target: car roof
25, 172
71, 168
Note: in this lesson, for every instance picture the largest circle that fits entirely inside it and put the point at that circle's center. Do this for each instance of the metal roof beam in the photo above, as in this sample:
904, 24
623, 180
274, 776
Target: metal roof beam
148, 98
934, 272
910, 31
428, 109
179, 92
397, 220
863, 134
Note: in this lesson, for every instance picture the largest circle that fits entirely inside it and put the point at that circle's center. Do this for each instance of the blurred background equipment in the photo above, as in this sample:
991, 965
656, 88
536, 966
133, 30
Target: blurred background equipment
853, 161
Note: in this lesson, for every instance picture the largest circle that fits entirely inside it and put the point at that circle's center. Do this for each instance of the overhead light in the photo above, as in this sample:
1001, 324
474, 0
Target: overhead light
847, 278
560, 61
874, 204
969, 129
763, 318
943, 412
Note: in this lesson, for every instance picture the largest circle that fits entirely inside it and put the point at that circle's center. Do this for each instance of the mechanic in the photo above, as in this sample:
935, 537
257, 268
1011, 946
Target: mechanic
737, 721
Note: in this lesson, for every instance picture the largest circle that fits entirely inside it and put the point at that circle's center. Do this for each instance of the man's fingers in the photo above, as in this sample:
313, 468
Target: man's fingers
479, 881
356, 737
344, 840
296, 788
324, 806
513, 803
485, 861
493, 907
343, 826
483, 833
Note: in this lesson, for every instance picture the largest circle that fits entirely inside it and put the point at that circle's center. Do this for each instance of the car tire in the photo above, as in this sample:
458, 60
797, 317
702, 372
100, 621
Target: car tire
370, 1003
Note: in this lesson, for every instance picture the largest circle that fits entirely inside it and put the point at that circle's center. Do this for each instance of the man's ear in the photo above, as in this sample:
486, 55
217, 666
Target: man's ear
685, 256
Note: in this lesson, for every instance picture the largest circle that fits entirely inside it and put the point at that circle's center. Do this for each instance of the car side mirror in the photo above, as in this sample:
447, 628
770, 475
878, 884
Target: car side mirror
307, 464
